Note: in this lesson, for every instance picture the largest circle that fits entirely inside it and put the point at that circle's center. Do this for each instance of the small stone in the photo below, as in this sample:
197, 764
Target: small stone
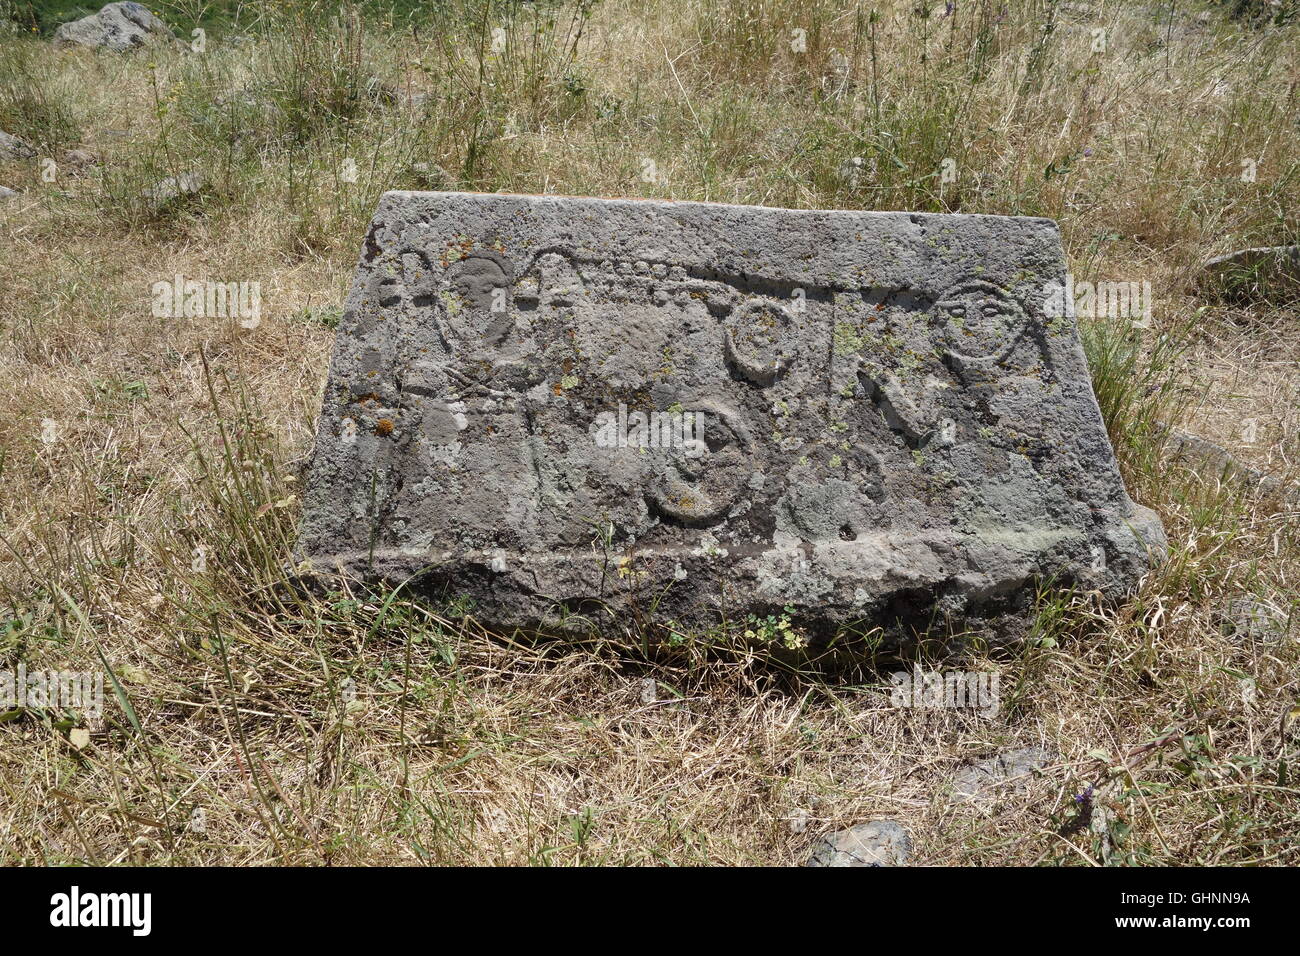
878, 843
118, 27
79, 158
432, 176
11, 147
850, 171
1249, 619
172, 188
649, 691
1012, 770
6, 192
1257, 273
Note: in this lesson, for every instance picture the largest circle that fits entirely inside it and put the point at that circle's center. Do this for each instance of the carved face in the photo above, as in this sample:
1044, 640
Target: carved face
478, 308
979, 320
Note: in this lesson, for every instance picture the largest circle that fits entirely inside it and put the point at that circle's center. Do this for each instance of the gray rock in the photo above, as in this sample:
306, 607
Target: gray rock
864, 417
11, 147
837, 78
850, 171
1081, 10
80, 158
172, 188
1204, 456
999, 774
879, 843
432, 175
1261, 272
118, 27
6, 192
1248, 619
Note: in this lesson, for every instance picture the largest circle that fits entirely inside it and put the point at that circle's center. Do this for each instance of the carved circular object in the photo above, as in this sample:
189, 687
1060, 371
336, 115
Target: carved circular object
980, 321
698, 485
760, 341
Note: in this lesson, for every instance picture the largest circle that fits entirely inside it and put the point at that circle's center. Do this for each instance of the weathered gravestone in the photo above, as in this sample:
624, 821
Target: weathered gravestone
685, 412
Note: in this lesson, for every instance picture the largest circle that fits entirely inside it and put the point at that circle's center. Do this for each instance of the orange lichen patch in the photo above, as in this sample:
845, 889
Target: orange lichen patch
457, 250
384, 426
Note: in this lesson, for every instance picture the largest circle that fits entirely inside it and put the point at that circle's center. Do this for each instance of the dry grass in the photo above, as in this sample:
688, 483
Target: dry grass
365, 728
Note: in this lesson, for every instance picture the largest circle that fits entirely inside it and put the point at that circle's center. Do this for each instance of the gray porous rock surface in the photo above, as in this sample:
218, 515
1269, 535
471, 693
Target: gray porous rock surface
117, 26
14, 147
691, 412
878, 843
173, 188
1000, 773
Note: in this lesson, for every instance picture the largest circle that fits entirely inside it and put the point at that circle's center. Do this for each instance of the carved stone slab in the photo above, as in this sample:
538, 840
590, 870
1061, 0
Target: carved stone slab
686, 413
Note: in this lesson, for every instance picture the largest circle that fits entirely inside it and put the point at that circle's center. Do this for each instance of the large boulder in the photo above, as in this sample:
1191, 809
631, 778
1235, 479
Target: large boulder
118, 27
571, 410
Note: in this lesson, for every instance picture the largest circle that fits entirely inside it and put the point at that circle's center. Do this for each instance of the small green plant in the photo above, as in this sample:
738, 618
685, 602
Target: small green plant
774, 629
326, 316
